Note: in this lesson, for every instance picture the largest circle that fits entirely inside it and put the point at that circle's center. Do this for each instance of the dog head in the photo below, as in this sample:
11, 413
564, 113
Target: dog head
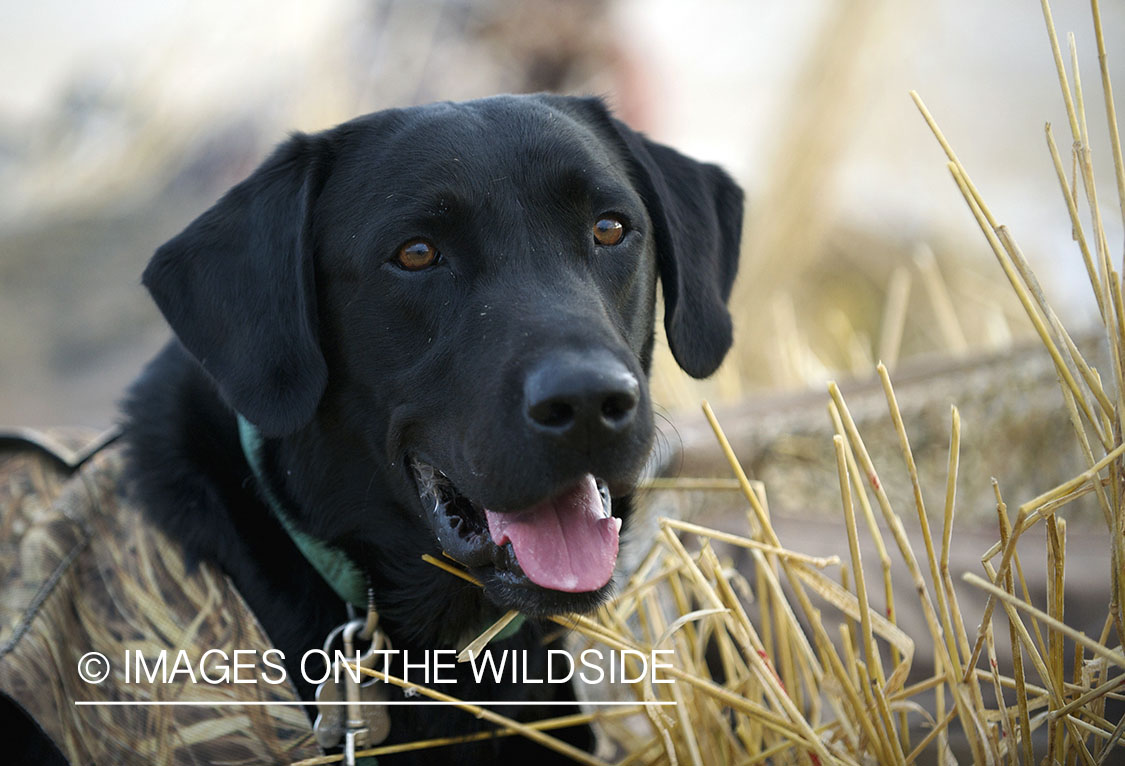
442, 317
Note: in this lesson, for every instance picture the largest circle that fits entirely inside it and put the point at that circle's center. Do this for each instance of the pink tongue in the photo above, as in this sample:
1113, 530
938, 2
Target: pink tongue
564, 543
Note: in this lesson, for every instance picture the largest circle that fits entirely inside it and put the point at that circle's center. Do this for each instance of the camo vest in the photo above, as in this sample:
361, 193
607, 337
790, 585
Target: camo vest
81, 570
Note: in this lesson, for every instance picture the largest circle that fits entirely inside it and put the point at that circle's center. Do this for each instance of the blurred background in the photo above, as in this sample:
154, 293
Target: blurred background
120, 122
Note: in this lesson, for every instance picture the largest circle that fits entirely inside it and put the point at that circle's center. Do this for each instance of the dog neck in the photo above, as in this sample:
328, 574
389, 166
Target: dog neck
331, 563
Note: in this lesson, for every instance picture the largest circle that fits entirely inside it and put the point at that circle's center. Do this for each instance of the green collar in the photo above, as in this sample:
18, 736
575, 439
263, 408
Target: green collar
339, 571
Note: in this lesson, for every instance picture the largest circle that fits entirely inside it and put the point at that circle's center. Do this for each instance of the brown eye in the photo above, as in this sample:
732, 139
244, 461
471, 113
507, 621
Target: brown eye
609, 231
417, 254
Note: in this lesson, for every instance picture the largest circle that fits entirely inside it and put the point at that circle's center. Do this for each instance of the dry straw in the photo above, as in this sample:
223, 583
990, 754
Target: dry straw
817, 671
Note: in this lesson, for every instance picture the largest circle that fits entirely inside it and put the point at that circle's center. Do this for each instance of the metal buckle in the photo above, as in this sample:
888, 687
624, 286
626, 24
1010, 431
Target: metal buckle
356, 725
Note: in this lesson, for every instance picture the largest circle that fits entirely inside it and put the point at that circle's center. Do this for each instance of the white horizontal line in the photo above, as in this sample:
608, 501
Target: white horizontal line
290, 703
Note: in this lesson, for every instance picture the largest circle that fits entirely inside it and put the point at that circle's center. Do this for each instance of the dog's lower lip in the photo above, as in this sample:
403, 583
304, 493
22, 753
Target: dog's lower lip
505, 559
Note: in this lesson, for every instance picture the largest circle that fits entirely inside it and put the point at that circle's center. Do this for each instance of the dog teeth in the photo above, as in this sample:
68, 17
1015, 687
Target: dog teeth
607, 501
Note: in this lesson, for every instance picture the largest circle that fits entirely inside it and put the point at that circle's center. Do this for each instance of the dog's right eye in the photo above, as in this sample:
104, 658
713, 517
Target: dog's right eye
609, 231
416, 255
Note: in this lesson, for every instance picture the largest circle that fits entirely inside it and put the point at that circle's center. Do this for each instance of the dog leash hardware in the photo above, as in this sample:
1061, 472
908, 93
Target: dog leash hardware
345, 713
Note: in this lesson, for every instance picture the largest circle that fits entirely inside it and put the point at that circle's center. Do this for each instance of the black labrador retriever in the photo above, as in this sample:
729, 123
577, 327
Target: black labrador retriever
436, 324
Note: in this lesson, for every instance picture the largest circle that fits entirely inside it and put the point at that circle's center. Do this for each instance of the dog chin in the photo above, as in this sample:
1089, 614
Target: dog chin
508, 592
555, 556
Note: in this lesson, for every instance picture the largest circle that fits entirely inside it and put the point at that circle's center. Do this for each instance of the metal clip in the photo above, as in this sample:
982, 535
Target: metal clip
349, 747
357, 724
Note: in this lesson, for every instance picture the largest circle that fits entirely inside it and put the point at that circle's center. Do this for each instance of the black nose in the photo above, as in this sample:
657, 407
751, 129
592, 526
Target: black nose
581, 397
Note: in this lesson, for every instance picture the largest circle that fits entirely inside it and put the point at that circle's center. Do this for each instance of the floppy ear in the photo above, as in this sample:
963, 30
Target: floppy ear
696, 212
237, 288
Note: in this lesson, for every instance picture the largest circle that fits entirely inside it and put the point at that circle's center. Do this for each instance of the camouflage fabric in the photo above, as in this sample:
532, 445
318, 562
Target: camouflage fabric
82, 571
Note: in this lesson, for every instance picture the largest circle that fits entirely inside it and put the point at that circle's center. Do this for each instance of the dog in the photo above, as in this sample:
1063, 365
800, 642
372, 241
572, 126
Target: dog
435, 325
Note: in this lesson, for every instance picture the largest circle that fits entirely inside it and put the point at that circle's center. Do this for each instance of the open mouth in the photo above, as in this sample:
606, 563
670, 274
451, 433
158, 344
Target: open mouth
566, 543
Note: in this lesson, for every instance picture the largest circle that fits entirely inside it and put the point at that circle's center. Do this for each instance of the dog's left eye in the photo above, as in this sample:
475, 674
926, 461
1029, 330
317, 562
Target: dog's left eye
417, 254
609, 231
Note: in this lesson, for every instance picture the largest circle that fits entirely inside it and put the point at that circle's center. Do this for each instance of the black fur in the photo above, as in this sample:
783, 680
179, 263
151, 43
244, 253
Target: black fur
289, 309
